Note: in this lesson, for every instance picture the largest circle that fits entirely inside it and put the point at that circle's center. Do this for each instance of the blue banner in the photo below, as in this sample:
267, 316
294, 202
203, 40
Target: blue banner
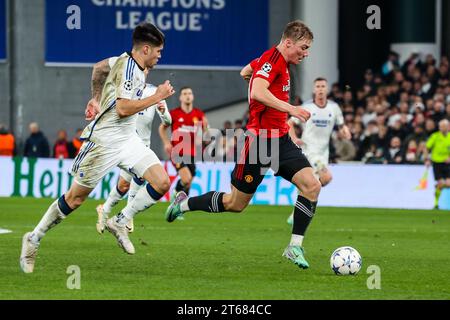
217, 34
2, 30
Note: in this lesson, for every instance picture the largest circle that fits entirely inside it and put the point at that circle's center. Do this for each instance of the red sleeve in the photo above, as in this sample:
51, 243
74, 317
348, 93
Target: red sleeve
254, 64
266, 69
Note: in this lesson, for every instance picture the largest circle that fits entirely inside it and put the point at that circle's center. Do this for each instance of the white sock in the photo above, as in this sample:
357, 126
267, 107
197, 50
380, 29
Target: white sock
113, 199
184, 206
134, 188
52, 217
141, 201
296, 240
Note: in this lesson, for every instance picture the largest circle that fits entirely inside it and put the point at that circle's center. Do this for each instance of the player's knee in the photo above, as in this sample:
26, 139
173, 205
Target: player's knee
325, 179
187, 181
313, 187
123, 187
165, 184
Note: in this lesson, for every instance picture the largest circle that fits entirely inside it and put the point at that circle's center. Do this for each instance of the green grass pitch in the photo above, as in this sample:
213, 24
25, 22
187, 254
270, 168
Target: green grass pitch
228, 256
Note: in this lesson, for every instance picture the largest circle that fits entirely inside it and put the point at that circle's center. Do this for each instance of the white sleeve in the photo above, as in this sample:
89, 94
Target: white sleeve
125, 84
339, 116
112, 61
296, 121
165, 117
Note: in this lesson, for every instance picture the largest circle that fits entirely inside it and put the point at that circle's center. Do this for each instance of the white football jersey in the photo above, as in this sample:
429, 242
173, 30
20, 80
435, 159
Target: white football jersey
144, 119
318, 129
126, 80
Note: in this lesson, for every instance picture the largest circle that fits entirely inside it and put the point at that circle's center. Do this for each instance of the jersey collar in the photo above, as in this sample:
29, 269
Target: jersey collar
131, 56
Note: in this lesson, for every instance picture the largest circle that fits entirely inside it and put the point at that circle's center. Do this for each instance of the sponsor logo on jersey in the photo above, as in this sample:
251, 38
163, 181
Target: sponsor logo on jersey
321, 123
139, 92
287, 87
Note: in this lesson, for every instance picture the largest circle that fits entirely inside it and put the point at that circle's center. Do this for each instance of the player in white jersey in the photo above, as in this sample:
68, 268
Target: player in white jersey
144, 121
127, 183
315, 140
111, 140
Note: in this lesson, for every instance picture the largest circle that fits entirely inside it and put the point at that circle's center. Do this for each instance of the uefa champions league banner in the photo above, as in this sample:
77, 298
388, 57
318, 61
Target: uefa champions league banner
2, 30
371, 186
200, 34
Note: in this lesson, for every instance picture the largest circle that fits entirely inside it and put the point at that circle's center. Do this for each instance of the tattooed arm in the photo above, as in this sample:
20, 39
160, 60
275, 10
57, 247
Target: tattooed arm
99, 74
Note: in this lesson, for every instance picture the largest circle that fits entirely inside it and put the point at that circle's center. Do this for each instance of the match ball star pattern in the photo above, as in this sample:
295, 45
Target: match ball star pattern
345, 261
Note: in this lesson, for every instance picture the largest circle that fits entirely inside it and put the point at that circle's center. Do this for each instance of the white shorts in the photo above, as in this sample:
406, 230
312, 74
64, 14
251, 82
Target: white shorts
318, 162
125, 175
93, 161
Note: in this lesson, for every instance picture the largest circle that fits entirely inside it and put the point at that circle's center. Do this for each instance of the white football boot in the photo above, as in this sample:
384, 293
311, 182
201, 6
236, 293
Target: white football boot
130, 226
101, 220
121, 234
28, 254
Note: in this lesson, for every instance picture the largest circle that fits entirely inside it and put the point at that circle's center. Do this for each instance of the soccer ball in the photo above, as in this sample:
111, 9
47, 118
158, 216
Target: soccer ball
345, 261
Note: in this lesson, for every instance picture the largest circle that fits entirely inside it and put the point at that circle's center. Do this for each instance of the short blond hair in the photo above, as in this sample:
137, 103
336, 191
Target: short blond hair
297, 30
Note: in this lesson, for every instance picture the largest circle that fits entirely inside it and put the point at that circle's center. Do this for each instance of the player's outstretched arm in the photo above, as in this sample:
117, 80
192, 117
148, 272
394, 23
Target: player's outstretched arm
260, 92
127, 107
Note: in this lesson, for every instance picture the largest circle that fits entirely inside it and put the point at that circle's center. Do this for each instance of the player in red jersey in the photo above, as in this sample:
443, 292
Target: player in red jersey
188, 124
267, 127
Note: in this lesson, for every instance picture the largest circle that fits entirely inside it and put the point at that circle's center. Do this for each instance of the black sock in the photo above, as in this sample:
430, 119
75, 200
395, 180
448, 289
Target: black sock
181, 187
209, 202
303, 214
63, 206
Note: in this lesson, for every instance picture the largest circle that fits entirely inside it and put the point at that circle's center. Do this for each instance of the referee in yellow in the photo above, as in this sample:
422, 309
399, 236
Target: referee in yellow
439, 146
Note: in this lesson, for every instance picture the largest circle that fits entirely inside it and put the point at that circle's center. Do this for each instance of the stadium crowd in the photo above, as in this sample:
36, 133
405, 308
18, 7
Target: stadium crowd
390, 116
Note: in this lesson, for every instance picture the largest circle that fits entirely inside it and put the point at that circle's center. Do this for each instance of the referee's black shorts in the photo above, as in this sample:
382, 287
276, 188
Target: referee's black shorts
250, 168
441, 170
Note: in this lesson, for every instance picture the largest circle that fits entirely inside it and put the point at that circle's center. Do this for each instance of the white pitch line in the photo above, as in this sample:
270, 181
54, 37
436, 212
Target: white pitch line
4, 231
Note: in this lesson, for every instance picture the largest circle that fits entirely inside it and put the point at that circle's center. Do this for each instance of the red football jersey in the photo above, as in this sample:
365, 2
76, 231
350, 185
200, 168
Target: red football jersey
184, 129
272, 67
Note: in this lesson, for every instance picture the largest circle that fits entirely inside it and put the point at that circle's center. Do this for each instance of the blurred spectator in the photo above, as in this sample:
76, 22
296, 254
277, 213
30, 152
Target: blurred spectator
63, 149
430, 127
227, 125
373, 155
344, 149
393, 154
391, 64
76, 142
238, 124
7, 142
412, 154
36, 145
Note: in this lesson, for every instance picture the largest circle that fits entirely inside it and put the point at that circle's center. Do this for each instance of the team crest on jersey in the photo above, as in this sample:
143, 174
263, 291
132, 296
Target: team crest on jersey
128, 85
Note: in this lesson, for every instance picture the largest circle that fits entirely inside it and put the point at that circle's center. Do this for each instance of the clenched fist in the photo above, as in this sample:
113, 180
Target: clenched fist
300, 113
165, 90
